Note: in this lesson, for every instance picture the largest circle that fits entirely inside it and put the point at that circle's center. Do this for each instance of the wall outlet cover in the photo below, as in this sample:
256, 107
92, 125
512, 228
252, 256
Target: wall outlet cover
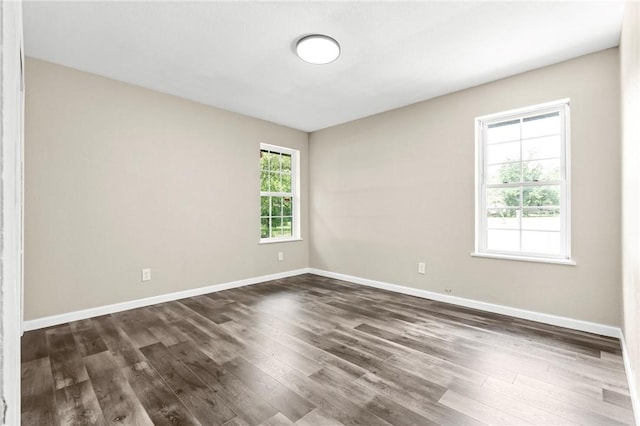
146, 274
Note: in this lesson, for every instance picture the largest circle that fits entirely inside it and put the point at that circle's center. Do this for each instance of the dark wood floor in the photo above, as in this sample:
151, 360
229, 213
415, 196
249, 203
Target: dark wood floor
310, 350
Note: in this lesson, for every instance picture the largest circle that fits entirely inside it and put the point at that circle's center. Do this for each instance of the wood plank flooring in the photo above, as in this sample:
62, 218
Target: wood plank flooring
309, 350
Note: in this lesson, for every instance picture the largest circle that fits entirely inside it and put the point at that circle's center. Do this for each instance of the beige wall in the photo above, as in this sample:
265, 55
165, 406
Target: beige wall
630, 90
397, 188
119, 178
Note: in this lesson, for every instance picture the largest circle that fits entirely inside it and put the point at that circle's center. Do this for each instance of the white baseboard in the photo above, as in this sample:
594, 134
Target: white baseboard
571, 323
631, 378
575, 324
139, 303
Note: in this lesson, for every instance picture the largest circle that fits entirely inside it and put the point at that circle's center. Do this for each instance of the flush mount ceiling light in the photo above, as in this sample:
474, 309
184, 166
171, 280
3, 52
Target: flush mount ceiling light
318, 49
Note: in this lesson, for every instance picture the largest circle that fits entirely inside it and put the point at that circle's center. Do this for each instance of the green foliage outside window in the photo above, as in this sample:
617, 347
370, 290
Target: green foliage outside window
547, 197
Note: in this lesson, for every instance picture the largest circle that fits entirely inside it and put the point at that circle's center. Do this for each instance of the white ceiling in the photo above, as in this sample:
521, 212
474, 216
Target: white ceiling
239, 56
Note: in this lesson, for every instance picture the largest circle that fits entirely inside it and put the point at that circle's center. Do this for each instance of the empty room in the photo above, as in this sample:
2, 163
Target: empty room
320, 213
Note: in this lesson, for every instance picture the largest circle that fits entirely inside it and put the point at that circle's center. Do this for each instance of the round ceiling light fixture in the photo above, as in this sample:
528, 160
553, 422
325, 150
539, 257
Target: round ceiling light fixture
318, 49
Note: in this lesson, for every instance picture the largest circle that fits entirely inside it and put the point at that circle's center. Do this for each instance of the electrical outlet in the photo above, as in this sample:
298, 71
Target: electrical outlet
421, 268
146, 274
280, 256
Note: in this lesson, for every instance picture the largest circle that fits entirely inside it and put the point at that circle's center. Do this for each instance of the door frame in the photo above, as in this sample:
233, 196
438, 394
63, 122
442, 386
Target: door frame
11, 238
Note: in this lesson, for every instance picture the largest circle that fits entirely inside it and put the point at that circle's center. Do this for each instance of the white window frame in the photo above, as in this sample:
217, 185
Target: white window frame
295, 195
481, 221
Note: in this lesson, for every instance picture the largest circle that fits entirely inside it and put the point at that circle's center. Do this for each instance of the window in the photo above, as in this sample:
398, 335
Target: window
279, 201
522, 176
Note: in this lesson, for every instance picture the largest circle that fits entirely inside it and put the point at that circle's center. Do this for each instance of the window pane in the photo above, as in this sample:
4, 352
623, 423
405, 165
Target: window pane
503, 240
503, 152
286, 183
286, 162
539, 196
264, 160
541, 219
503, 131
541, 242
501, 197
503, 219
493, 174
533, 149
264, 181
287, 206
276, 227
504, 173
270, 159
264, 206
276, 206
287, 228
275, 182
540, 171
264, 228
541, 125
275, 162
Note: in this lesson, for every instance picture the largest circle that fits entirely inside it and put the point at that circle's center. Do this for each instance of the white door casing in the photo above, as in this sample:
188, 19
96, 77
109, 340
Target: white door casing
11, 237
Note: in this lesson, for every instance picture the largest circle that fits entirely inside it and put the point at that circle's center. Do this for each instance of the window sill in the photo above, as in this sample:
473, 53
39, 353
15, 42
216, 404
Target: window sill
525, 258
279, 240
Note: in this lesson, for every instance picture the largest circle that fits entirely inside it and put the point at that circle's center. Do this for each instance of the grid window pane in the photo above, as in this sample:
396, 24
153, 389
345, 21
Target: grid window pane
264, 227
503, 240
287, 206
503, 219
285, 183
274, 162
264, 160
503, 131
539, 148
541, 125
287, 226
264, 207
541, 242
276, 206
276, 227
494, 174
264, 181
541, 219
540, 171
503, 197
286, 162
275, 182
503, 152
539, 196
504, 173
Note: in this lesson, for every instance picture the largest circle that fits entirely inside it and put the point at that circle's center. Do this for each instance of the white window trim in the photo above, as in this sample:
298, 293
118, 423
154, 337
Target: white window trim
295, 186
480, 249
